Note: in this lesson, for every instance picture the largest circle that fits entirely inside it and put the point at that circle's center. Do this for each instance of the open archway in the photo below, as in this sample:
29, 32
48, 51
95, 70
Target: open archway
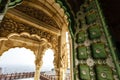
17, 60
48, 58
33, 42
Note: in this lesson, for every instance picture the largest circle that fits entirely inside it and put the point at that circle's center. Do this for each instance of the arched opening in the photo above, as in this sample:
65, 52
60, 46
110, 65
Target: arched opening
48, 66
17, 60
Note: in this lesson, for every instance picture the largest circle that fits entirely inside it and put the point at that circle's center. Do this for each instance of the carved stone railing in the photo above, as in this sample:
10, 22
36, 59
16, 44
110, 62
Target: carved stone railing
16, 76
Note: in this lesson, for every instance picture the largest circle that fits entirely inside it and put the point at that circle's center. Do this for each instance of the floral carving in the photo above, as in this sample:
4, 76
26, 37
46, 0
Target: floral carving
8, 26
56, 52
64, 57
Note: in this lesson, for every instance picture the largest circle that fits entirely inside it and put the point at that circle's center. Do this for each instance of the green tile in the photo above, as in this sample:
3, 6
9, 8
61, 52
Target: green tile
98, 50
90, 17
84, 72
80, 38
82, 52
94, 32
104, 72
89, 6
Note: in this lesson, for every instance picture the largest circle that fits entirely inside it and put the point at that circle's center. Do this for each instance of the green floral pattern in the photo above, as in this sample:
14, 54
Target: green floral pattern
104, 72
91, 17
98, 50
82, 52
84, 72
94, 32
93, 55
80, 37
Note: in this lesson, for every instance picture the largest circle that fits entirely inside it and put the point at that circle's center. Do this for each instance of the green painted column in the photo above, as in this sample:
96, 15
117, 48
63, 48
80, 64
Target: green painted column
95, 56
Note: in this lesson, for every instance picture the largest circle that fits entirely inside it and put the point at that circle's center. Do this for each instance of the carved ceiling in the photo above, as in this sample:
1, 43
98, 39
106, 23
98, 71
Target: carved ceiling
38, 14
41, 13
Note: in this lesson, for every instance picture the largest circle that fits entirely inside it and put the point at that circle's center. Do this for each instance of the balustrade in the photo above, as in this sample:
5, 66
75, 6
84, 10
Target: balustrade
15, 76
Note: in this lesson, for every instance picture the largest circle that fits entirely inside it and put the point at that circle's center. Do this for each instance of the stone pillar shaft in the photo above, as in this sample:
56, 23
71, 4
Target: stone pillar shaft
62, 56
37, 73
38, 61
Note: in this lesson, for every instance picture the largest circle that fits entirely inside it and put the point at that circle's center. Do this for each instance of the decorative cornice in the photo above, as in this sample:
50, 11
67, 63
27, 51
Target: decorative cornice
69, 14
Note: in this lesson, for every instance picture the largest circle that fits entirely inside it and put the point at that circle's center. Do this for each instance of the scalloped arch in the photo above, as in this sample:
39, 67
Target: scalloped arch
25, 34
22, 40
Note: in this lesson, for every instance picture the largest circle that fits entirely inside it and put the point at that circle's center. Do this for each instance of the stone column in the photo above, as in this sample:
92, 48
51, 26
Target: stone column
61, 58
63, 66
62, 73
63, 54
37, 70
38, 61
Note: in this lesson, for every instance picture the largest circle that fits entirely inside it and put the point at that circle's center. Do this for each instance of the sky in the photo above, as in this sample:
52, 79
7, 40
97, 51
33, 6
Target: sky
22, 59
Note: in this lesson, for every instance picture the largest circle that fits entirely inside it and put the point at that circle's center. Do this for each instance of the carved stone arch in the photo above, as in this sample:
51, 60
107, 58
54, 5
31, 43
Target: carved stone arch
16, 47
24, 39
33, 42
